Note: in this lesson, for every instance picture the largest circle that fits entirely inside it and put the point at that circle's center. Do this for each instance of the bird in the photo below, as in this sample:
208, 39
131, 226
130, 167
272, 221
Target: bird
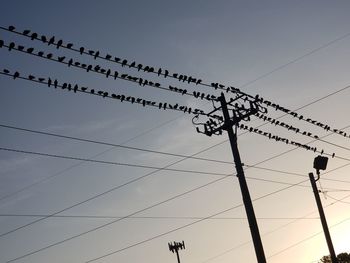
49, 56
30, 50
116, 59
11, 46
77, 64
59, 43
6, 71
40, 53
132, 65
91, 52
55, 83
43, 39
124, 62
175, 75
159, 71
64, 86
333, 155
75, 88
1, 43
81, 50
60, 59
115, 74
146, 68
20, 48
102, 70
69, 45
16, 75
83, 89
108, 57
123, 76
33, 36
97, 68
139, 67
108, 73
151, 69
198, 81
11, 28
70, 62
88, 68
96, 54
26, 32
51, 41
31, 77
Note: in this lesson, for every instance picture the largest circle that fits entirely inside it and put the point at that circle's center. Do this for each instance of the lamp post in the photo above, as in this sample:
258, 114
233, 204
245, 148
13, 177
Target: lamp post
320, 163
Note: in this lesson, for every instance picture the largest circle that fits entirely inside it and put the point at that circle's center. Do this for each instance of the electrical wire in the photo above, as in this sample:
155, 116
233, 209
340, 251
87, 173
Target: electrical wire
108, 73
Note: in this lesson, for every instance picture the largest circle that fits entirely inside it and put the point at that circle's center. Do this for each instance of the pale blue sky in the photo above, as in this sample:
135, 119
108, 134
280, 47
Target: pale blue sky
233, 42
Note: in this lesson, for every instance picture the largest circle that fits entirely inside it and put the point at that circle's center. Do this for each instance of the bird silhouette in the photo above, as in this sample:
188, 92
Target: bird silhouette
96, 54
51, 41
16, 75
69, 45
132, 65
60, 59
102, 70
70, 62
40, 53
333, 155
159, 71
108, 73
77, 64
49, 82
84, 89
146, 68
59, 43
49, 56
11, 46
30, 50
1, 43
116, 59
115, 74
175, 75
81, 50
11, 28
88, 68
6, 71
108, 57
75, 88
26, 32
124, 62
198, 81
31, 77
55, 83
91, 52
43, 39
139, 67
33, 36
97, 68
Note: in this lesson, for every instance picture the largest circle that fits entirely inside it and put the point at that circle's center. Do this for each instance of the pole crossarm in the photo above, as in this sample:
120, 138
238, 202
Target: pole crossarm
241, 108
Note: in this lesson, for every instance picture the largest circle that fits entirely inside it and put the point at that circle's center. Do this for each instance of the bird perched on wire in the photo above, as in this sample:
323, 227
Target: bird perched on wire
59, 43
25, 32
11, 28
51, 41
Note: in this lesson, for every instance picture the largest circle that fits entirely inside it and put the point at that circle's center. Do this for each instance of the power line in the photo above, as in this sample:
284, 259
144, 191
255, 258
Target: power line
154, 205
104, 94
110, 144
108, 73
199, 94
266, 233
151, 217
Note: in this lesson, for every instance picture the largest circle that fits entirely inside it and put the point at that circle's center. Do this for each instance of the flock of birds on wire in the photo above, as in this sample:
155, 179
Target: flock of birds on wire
244, 97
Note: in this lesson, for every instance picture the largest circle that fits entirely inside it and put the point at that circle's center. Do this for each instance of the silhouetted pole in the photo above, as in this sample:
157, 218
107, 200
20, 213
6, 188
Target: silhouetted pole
259, 250
323, 219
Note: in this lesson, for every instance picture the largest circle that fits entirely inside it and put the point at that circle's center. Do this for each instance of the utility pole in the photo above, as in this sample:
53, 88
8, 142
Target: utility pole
174, 247
211, 127
320, 163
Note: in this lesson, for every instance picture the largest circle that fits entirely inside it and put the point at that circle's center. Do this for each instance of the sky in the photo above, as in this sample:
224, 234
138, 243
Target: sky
294, 53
